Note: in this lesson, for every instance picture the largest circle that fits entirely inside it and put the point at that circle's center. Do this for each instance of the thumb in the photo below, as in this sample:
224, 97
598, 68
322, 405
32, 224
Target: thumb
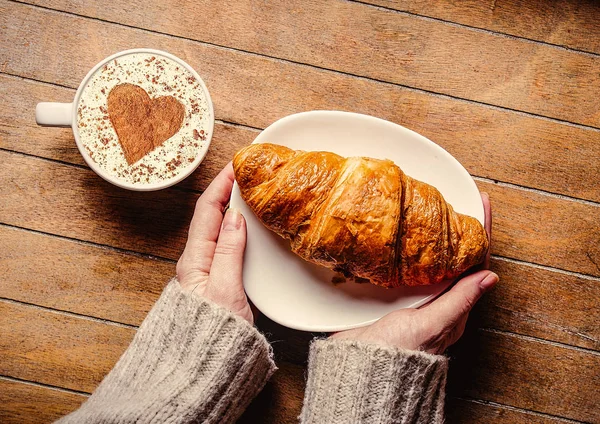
226, 267
448, 309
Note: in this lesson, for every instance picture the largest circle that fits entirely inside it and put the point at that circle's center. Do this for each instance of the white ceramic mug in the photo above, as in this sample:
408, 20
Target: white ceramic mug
65, 115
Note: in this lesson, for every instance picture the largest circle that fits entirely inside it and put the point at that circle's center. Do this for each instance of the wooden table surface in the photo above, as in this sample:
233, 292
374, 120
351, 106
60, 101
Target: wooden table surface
510, 88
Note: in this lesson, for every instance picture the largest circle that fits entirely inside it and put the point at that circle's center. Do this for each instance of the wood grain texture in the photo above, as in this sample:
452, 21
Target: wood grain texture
520, 372
408, 50
79, 278
27, 403
459, 411
541, 303
56, 349
537, 228
571, 23
71, 352
148, 222
249, 90
542, 379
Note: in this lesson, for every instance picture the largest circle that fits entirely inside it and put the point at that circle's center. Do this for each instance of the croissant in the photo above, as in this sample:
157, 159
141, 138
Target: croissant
359, 216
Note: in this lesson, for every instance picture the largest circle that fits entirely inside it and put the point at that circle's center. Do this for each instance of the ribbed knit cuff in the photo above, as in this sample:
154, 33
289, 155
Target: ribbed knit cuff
354, 382
190, 361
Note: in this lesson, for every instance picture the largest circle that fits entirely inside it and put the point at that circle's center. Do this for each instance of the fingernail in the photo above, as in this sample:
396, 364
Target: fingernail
489, 281
232, 220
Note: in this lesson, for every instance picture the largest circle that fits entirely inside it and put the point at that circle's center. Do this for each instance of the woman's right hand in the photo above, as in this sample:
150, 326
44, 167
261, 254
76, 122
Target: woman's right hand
436, 326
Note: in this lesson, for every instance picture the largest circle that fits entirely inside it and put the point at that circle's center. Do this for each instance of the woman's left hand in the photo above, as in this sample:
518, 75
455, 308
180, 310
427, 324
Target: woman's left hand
211, 263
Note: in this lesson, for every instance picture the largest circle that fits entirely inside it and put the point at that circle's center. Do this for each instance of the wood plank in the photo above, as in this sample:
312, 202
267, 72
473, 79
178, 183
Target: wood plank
79, 278
407, 50
526, 302
71, 352
469, 411
571, 23
520, 372
74, 202
57, 349
18, 130
536, 228
522, 150
27, 403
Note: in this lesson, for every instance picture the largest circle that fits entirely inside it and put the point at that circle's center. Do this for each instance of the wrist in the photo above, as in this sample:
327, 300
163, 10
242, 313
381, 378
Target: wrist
400, 330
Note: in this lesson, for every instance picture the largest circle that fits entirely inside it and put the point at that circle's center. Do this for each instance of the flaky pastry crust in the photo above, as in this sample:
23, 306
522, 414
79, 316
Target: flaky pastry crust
360, 216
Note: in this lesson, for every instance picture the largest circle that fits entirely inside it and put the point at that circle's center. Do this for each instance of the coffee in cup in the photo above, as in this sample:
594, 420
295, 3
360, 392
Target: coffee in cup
143, 119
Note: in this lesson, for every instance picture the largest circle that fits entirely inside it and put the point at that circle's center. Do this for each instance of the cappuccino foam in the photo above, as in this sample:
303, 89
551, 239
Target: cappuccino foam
158, 76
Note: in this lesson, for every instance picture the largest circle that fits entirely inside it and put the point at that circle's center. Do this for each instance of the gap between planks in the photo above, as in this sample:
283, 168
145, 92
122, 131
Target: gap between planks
532, 339
289, 61
476, 29
68, 313
43, 385
515, 409
547, 268
537, 191
257, 129
90, 244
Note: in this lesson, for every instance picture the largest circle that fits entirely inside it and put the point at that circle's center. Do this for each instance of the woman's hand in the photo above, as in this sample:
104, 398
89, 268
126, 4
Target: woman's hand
211, 263
439, 324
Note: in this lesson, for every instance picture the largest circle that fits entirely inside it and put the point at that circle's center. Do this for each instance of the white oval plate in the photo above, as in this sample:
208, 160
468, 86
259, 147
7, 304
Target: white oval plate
300, 295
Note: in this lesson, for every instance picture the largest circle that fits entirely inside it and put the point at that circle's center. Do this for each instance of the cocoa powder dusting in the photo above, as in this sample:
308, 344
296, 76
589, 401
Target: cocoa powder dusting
159, 77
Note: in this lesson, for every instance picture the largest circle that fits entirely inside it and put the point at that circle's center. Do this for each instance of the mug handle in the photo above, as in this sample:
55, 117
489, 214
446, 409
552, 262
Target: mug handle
54, 114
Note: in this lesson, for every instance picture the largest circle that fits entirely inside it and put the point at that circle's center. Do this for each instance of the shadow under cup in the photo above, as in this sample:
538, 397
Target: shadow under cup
155, 80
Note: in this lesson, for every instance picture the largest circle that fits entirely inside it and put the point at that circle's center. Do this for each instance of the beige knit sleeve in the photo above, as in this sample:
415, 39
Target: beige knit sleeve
190, 361
353, 382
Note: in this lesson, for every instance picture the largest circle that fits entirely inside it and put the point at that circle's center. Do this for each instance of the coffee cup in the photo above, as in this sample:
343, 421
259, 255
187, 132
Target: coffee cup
142, 119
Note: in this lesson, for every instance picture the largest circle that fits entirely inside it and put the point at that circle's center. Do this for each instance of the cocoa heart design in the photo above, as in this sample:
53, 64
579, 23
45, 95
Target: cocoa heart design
142, 124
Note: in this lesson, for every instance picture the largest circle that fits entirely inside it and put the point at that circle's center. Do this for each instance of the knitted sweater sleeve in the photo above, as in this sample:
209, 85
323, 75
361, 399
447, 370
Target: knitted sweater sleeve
353, 382
190, 361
